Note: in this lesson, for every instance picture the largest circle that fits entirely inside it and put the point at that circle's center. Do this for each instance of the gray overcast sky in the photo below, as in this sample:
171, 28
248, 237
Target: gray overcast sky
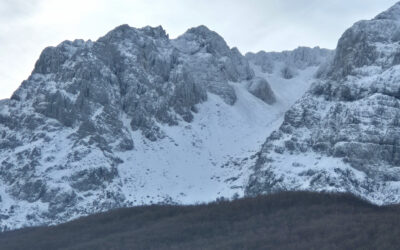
28, 26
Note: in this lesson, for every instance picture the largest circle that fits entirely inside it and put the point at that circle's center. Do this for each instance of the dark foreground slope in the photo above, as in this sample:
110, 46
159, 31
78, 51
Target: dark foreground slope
294, 220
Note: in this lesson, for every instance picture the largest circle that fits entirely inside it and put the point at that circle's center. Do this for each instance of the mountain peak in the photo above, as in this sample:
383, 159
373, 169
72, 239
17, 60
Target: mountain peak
368, 43
201, 37
201, 30
156, 32
203, 34
124, 31
392, 13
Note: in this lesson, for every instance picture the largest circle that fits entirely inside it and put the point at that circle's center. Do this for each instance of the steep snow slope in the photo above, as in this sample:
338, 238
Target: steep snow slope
343, 134
135, 118
188, 165
209, 157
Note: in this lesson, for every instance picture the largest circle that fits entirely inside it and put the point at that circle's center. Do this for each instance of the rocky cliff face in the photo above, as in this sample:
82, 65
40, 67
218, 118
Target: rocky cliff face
288, 63
138, 71
343, 134
132, 118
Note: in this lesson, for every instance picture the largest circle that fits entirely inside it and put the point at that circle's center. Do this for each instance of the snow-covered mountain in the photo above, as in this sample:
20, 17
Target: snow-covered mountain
137, 118
344, 133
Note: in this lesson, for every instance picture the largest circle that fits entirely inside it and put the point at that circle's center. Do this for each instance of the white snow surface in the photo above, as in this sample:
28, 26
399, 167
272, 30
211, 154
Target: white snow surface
188, 165
209, 157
